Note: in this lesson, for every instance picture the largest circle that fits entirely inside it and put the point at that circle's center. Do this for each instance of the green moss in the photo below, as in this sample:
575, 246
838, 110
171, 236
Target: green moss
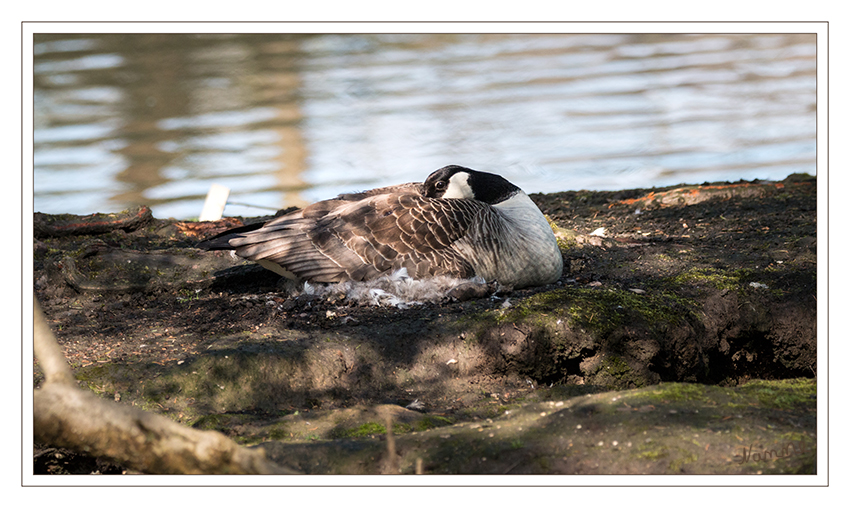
706, 276
432, 422
554, 319
727, 280
794, 436
599, 311
789, 394
566, 238
666, 392
652, 454
616, 365
685, 457
279, 431
365, 430
402, 428
614, 373
782, 394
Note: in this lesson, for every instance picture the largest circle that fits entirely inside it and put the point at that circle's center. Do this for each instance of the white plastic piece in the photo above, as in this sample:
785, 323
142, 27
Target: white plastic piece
214, 204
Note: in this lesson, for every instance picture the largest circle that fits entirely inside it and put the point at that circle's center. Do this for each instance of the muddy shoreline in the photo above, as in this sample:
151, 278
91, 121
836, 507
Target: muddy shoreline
688, 297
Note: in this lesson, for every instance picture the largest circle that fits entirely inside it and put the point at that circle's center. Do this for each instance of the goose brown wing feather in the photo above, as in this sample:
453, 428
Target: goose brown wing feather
392, 231
360, 239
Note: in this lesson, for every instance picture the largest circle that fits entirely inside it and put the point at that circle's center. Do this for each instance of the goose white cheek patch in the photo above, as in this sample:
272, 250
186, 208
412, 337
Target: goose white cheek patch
459, 187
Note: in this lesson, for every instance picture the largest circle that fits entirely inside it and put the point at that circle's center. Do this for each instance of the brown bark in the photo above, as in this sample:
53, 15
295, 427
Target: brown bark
66, 416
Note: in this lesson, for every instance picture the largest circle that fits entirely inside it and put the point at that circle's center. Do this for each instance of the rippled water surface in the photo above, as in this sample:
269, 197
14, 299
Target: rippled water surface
283, 120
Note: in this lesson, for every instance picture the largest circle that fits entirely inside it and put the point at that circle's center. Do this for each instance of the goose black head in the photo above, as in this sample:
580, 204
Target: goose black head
458, 182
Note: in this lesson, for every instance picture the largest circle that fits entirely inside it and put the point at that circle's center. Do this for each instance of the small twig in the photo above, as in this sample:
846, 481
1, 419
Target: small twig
515, 464
391, 466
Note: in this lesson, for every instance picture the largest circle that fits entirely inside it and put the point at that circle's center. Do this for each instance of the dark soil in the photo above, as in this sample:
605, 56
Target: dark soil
712, 286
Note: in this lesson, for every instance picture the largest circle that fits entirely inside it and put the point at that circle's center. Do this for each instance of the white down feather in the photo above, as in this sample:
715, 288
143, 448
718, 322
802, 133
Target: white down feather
395, 290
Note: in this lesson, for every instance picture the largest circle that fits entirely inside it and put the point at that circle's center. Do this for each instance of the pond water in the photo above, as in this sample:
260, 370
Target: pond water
282, 120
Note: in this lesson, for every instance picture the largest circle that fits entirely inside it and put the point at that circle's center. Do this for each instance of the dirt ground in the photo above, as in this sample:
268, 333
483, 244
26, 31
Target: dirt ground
678, 337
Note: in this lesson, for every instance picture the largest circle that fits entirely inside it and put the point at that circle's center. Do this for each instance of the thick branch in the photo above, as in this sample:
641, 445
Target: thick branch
48, 352
72, 418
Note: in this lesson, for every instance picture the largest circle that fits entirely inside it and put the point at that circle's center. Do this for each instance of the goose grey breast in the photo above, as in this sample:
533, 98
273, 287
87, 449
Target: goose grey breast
513, 243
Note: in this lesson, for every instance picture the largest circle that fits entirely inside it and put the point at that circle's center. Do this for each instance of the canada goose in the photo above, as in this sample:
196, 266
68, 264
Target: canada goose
459, 222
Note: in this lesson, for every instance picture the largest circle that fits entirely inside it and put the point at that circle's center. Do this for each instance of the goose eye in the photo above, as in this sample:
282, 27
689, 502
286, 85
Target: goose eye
440, 185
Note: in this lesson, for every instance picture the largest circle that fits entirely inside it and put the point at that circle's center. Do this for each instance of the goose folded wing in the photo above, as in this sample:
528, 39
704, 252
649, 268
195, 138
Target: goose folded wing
384, 233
